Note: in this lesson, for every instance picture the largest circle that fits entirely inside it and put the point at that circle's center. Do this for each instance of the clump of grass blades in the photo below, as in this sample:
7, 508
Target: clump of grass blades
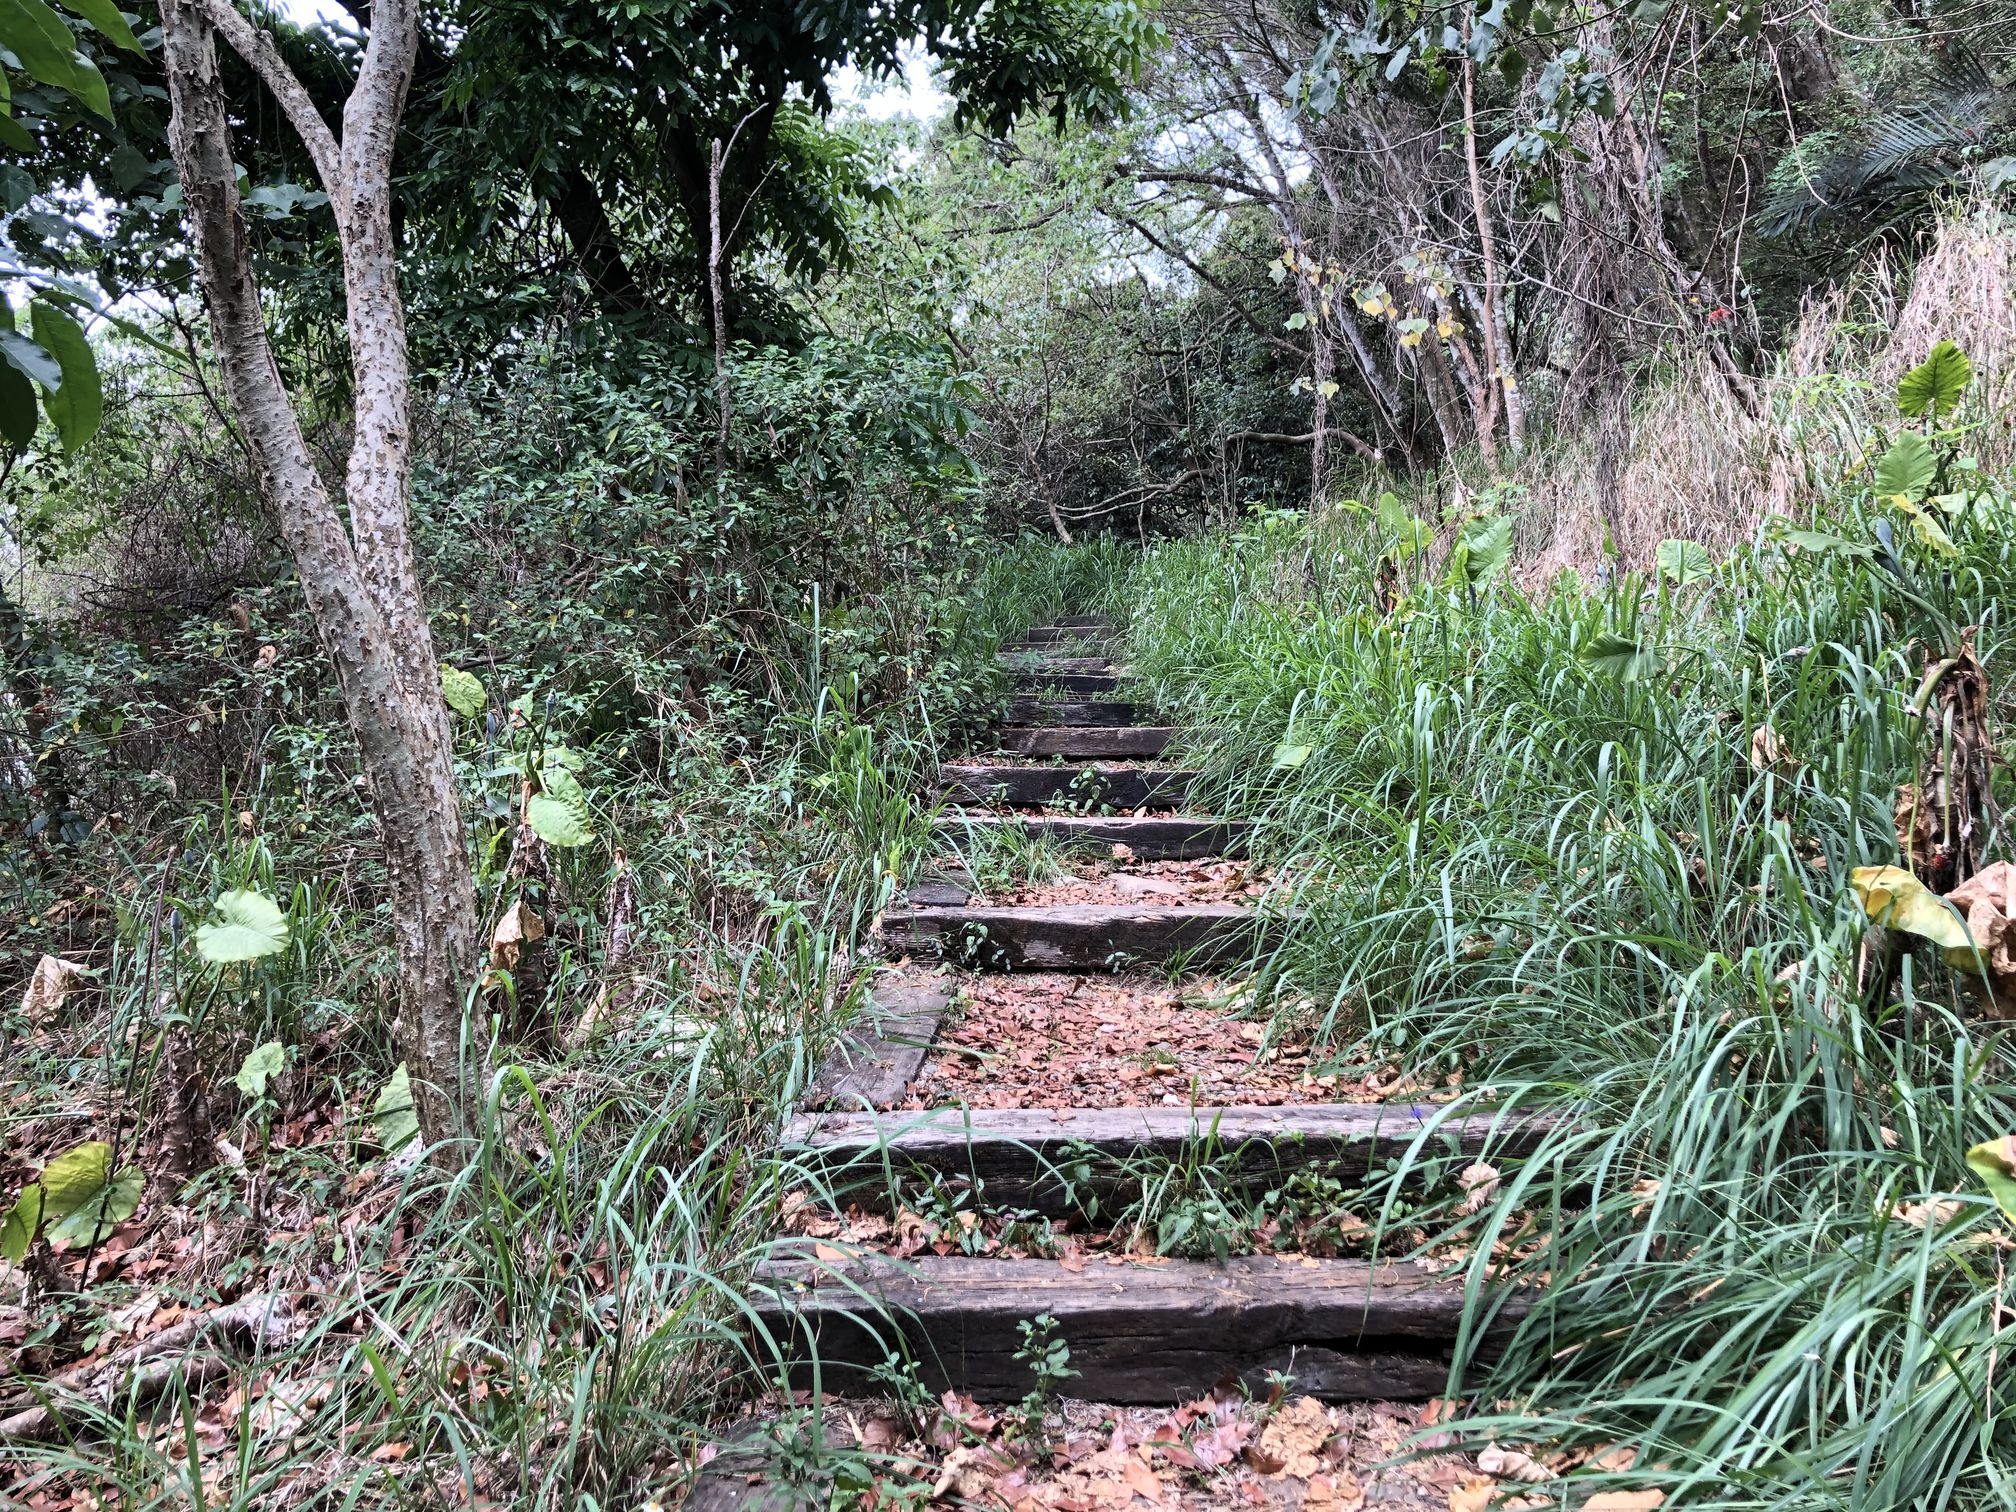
1567, 871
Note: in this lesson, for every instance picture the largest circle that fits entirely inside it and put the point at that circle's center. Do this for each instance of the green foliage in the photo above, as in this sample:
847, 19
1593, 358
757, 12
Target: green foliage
393, 1115
1603, 896
76, 1201
1934, 387
463, 692
262, 1063
1994, 1161
1683, 562
249, 926
1907, 469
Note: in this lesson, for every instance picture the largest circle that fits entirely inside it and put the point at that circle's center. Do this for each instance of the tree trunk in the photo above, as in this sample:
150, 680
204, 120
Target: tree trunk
361, 583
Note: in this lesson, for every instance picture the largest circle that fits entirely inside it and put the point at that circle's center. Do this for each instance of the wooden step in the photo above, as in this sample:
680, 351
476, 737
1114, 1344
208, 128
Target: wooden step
1068, 682
878, 1056
1083, 622
1079, 936
1171, 837
1084, 787
1346, 1330
1043, 711
1062, 635
1041, 665
1074, 1160
1086, 741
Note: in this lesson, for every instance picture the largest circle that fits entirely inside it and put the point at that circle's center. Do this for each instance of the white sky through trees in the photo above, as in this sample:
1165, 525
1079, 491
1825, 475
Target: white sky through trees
913, 93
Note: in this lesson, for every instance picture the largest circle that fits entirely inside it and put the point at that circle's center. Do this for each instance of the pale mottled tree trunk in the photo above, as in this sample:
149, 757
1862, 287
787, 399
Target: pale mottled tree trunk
361, 582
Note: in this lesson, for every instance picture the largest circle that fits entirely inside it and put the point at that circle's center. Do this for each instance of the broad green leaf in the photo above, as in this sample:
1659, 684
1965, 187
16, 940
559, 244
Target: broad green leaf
1288, 757
104, 15
393, 1116
18, 415
78, 405
29, 359
1821, 544
1683, 562
23, 1220
1620, 657
252, 926
1907, 469
557, 821
47, 49
1936, 384
1893, 897
565, 786
1931, 533
262, 1063
463, 692
1994, 1161
83, 1198
1487, 547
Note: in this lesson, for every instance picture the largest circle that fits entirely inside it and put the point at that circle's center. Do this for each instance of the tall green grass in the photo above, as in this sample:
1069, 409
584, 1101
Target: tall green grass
1567, 871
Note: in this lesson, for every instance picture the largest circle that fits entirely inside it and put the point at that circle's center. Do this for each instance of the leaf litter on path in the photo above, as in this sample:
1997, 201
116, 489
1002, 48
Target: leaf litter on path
1055, 1040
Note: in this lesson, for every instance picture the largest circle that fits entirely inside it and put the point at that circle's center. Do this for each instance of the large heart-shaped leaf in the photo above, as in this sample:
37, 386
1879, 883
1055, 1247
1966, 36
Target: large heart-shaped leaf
1994, 1161
1620, 657
1907, 469
558, 821
19, 1227
463, 692
1893, 897
1683, 562
261, 1064
83, 1198
1936, 384
393, 1115
1487, 547
251, 926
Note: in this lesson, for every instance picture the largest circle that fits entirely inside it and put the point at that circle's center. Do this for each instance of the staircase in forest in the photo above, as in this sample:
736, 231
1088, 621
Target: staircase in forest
1079, 767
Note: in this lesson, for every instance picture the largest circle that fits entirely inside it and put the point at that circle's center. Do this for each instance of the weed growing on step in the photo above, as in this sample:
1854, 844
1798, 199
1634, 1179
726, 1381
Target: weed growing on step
1047, 1358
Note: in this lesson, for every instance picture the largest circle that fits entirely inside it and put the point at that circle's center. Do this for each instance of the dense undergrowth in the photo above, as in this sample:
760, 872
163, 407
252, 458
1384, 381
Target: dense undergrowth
745, 680
1591, 847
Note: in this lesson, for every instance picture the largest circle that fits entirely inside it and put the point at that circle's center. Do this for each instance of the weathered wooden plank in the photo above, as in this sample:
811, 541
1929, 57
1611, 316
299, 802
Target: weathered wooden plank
1059, 1161
1043, 711
1086, 742
1043, 664
1084, 622
1345, 1329
1157, 837
1078, 936
1068, 682
1087, 787
1064, 634
878, 1057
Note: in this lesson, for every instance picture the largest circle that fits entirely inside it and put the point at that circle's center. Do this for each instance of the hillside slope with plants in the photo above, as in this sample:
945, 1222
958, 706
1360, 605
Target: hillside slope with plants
517, 517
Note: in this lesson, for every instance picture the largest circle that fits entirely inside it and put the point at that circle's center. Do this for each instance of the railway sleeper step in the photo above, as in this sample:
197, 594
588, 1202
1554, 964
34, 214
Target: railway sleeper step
1019, 786
1086, 742
1084, 711
1030, 681
1040, 662
1082, 936
1089, 1161
1156, 837
1344, 1330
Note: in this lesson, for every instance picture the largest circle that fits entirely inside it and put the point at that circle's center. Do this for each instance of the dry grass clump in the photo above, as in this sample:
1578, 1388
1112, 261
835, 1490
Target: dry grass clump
1701, 468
